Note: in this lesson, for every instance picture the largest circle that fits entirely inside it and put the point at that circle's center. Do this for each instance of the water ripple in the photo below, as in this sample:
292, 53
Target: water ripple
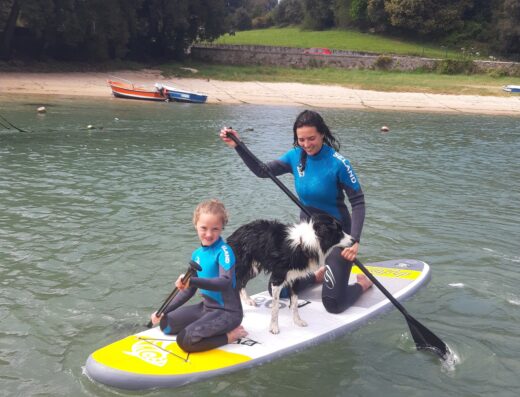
96, 224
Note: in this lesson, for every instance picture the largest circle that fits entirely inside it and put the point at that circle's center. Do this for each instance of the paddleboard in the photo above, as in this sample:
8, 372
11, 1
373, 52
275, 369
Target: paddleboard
151, 359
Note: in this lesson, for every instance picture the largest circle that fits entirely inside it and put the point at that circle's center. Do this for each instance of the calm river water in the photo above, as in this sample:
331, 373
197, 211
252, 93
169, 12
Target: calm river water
95, 224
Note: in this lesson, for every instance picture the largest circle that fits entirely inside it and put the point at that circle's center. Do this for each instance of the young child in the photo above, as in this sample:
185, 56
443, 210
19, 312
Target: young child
216, 320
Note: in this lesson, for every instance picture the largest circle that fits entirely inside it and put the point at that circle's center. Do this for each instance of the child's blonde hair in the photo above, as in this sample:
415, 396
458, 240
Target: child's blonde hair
214, 207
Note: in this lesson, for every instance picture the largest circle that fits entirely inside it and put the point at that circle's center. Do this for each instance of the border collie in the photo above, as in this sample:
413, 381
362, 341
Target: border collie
288, 252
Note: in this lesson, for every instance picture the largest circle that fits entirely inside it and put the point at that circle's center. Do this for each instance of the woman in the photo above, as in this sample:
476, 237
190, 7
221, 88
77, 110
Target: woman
322, 179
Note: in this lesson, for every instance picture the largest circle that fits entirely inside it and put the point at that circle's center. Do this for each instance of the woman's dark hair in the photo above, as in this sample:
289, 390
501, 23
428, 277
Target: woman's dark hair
308, 118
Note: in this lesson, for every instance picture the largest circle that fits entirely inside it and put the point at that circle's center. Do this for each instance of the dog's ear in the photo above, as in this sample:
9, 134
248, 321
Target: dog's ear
326, 219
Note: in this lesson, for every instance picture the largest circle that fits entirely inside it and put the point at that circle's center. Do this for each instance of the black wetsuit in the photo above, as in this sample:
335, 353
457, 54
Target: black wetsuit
204, 326
321, 187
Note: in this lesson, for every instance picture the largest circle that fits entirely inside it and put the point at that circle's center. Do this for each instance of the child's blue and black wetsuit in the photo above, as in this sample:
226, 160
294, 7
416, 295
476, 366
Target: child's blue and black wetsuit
204, 326
321, 186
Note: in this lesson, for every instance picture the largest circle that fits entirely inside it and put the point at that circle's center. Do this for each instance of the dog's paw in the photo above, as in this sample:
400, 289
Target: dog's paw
300, 323
250, 302
274, 329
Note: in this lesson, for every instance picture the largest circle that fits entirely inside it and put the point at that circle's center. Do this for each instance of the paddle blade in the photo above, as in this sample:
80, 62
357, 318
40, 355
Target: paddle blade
425, 339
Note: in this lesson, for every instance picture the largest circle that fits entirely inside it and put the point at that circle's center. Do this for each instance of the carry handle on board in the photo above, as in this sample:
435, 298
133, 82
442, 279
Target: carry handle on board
424, 339
194, 266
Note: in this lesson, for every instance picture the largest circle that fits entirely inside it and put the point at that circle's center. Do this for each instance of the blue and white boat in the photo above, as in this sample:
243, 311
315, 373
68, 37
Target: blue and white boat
512, 88
179, 95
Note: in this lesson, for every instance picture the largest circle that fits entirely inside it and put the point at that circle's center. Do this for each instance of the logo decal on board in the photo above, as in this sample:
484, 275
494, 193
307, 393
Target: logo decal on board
150, 353
247, 342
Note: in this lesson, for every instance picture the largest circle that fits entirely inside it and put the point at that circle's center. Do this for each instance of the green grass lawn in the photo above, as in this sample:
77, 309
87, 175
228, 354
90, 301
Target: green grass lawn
337, 40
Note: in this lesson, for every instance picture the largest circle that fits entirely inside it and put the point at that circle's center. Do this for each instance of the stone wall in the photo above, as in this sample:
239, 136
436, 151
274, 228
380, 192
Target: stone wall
294, 57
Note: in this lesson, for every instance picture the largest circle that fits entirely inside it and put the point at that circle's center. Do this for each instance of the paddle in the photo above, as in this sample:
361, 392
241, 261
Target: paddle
9, 124
194, 266
424, 339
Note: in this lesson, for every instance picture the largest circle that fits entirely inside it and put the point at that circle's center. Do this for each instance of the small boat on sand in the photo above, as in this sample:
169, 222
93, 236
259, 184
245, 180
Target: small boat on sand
122, 88
176, 94
512, 88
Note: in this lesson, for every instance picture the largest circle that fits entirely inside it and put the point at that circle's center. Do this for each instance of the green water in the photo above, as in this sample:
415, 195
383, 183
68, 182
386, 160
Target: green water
95, 224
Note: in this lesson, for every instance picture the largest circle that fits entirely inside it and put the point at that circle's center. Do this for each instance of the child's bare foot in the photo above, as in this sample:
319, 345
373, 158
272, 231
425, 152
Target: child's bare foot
236, 334
320, 274
364, 281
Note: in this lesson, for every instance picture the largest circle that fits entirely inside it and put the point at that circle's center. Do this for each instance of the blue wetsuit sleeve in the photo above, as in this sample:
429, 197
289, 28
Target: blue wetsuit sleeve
277, 167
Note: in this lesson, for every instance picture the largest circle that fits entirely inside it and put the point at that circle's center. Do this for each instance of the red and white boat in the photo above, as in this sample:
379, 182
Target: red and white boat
122, 88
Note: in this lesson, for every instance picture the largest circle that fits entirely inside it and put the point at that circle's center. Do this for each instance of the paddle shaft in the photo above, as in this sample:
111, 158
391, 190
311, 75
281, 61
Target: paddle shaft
417, 329
194, 266
10, 124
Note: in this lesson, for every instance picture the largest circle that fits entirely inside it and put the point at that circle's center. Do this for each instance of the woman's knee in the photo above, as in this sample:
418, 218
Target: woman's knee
331, 305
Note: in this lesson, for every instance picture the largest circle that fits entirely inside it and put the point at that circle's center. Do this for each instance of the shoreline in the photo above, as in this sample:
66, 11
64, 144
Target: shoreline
85, 84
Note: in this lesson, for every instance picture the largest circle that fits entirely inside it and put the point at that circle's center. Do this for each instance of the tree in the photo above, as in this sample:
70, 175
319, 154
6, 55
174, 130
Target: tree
507, 26
426, 16
319, 14
288, 12
241, 19
377, 16
257, 8
169, 27
11, 10
342, 16
358, 12
110, 29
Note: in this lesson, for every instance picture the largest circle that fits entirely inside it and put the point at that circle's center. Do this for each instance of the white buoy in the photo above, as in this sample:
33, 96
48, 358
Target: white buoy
385, 129
41, 109
90, 127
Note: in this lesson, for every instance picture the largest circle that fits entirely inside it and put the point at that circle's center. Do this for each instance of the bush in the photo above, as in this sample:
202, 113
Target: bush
262, 22
515, 71
453, 66
383, 62
315, 63
497, 73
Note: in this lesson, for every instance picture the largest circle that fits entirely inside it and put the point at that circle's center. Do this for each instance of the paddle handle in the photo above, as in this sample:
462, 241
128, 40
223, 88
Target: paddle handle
193, 267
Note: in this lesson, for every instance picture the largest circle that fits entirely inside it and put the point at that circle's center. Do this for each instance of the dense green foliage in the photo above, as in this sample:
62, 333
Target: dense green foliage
111, 29
484, 25
165, 29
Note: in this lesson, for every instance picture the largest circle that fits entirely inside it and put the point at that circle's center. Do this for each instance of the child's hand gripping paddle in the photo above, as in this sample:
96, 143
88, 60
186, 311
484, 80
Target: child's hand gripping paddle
194, 266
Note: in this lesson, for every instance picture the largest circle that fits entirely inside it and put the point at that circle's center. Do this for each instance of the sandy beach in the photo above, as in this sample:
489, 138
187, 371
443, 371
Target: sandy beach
260, 93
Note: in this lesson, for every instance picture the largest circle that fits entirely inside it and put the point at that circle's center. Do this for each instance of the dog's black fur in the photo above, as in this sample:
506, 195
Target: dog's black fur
287, 252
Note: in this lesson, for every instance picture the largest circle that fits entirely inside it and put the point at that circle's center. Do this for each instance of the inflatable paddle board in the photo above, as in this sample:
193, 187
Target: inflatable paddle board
151, 359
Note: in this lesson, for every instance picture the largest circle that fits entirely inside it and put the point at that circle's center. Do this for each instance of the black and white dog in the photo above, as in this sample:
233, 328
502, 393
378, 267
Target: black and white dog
288, 252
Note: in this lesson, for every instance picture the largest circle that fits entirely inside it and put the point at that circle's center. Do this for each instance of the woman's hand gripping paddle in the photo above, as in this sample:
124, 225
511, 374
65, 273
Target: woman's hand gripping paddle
194, 266
424, 339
